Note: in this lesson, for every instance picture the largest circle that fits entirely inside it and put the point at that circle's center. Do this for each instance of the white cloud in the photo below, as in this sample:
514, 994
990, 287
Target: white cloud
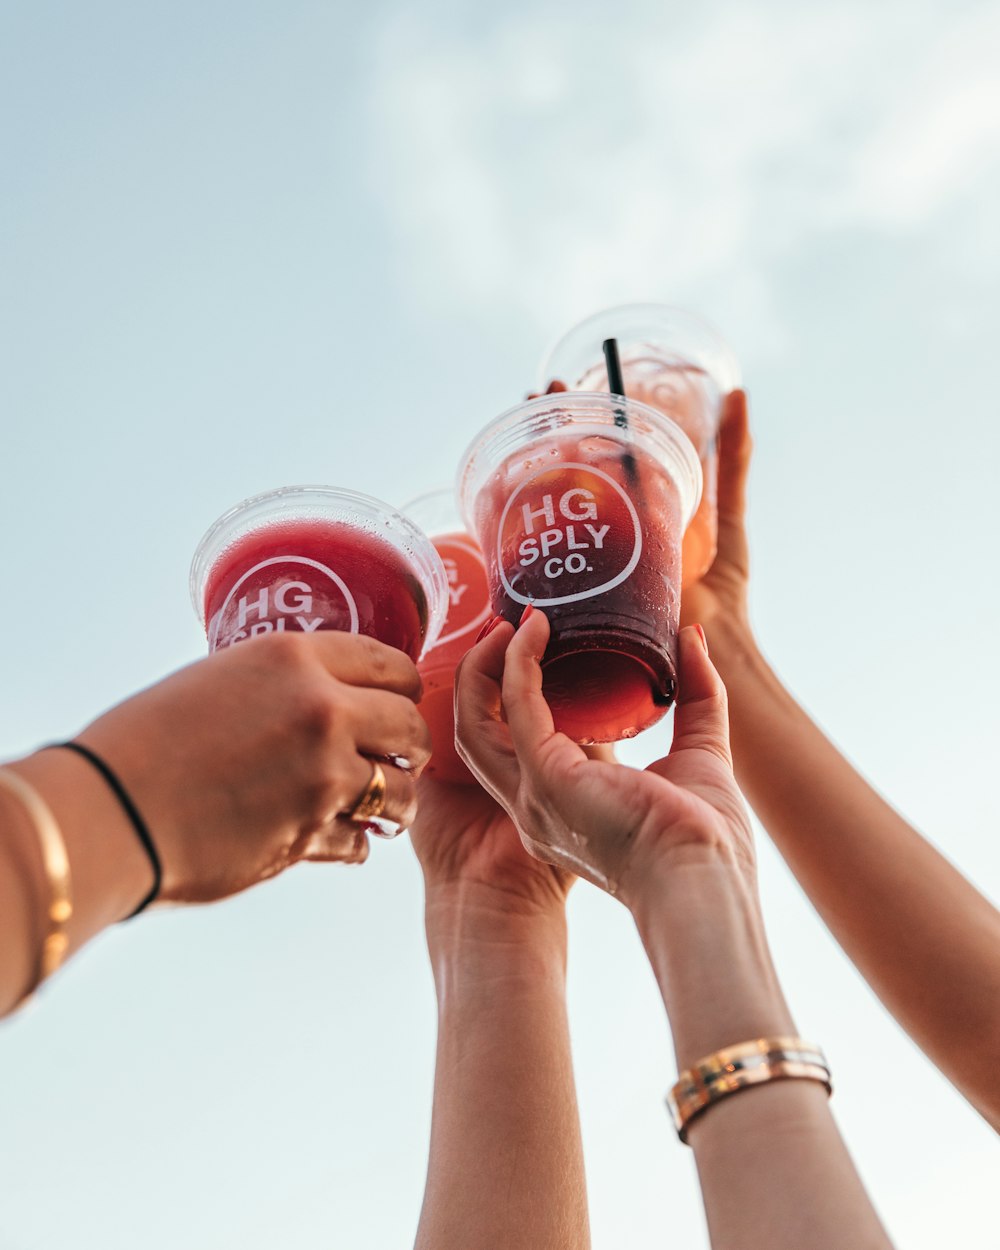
940, 134
547, 168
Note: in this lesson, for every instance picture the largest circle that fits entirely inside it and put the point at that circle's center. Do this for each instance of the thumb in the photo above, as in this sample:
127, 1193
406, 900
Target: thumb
481, 736
735, 449
701, 722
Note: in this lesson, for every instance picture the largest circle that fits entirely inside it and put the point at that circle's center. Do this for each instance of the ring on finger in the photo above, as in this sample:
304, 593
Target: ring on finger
371, 802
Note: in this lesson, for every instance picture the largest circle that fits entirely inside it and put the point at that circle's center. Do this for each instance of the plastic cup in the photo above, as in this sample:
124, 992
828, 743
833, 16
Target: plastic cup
675, 362
307, 558
579, 502
468, 611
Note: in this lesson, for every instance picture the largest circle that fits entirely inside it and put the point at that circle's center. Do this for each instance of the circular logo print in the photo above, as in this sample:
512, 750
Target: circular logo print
468, 592
285, 593
567, 533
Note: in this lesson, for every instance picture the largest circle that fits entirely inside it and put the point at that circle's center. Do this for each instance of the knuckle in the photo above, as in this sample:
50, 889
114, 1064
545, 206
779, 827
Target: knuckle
282, 650
319, 714
333, 787
375, 656
718, 703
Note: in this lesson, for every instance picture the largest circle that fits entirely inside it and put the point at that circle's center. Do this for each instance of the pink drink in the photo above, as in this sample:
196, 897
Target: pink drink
304, 559
677, 364
688, 396
580, 502
468, 611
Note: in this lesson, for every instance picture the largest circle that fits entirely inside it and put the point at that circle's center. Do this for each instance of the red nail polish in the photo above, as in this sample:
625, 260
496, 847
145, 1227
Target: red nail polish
489, 627
701, 635
525, 614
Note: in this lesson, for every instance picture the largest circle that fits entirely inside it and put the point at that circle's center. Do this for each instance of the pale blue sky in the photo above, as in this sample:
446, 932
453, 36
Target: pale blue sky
245, 245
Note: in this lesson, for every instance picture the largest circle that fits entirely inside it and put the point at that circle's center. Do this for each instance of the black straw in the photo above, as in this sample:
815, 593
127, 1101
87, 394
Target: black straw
616, 385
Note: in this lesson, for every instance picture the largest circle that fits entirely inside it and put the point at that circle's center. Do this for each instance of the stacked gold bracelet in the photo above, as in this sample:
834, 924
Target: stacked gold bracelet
56, 864
741, 1067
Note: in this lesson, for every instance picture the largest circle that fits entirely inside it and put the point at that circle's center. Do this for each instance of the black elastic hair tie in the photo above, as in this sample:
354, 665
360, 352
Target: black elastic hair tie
131, 811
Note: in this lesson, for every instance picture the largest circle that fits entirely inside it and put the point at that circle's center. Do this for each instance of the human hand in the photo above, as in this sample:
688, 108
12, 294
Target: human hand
721, 595
603, 821
250, 760
467, 845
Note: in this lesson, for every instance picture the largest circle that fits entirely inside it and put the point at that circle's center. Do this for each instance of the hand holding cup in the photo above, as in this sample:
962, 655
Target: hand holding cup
255, 758
614, 825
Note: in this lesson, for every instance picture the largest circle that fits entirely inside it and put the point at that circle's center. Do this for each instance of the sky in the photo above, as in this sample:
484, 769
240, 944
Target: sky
247, 245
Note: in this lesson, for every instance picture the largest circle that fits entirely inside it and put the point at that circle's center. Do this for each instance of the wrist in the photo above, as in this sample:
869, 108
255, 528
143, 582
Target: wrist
109, 869
478, 935
702, 928
472, 907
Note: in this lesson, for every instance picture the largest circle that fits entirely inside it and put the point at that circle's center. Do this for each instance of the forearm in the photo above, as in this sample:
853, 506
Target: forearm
506, 1160
774, 1172
922, 935
109, 870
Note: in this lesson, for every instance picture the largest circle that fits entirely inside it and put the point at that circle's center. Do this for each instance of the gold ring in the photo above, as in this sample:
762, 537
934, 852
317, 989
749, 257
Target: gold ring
371, 801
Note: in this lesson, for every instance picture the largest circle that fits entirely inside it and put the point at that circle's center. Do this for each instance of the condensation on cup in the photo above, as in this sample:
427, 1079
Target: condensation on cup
673, 361
579, 502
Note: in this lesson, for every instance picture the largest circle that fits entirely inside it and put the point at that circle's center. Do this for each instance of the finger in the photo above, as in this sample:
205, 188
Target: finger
359, 660
481, 736
400, 804
529, 717
701, 722
387, 724
555, 387
342, 842
735, 449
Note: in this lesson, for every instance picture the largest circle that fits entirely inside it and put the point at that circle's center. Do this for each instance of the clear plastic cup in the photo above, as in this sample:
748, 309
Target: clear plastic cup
307, 558
579, 502
673, 361
468, 611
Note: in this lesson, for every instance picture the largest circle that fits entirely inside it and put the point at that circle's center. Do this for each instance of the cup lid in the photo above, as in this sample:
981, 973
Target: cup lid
680, 333
581, 413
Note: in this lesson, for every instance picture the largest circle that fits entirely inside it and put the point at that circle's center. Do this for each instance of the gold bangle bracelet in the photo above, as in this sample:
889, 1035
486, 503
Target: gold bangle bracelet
741, 1067
56, 864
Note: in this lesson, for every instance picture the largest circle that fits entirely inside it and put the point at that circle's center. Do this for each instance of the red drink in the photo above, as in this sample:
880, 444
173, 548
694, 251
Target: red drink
676, 363
468, 611
311, 558
301, 576
584, 519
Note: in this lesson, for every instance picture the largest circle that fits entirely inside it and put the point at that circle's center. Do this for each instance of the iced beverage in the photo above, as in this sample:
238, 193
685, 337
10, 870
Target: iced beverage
579, 502
303, 559
674, 362
468, 611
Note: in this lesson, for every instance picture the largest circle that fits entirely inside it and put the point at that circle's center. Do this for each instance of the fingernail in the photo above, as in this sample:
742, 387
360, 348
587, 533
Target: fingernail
525, 614
701, 635
489, 627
